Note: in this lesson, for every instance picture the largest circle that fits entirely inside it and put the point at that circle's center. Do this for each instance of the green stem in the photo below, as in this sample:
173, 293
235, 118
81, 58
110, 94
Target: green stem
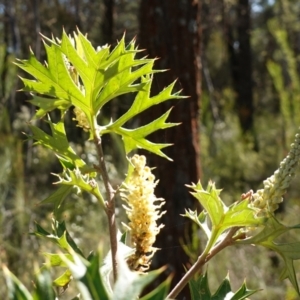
203, 259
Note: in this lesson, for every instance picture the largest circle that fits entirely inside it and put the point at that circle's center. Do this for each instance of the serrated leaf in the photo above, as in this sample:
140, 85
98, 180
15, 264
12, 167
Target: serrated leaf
51, 80
78, 74
135, 138
143, 101
288, 251
243, 293
223, 290
239, 214
75, 178
58, 143
210, 200
200, 290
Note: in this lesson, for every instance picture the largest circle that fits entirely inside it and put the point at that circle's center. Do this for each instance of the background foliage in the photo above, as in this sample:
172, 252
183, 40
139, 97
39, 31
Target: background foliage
235, 159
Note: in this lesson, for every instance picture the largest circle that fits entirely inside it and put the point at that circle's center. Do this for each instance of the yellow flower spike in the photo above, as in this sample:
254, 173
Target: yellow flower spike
143, 210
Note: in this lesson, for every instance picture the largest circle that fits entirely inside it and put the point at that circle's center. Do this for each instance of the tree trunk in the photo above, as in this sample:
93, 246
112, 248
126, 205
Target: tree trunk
108, 21
241, 63
170, 30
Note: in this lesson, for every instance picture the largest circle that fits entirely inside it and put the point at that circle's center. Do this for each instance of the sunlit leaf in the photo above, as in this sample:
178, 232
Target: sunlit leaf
210, 201
58, 143
77, 74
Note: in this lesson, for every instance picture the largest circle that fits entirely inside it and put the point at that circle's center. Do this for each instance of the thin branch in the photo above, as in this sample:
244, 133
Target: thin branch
202, 260
110, 205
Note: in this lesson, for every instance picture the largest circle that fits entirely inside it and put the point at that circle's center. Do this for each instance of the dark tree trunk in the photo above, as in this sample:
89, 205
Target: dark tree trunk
241, 63
108, 21
170, 30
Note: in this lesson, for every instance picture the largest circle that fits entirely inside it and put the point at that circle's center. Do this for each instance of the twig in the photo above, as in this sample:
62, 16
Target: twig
202, 259
110, 205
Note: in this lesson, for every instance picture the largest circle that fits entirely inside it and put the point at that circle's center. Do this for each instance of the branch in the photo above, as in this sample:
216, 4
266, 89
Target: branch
110, 204
202, 260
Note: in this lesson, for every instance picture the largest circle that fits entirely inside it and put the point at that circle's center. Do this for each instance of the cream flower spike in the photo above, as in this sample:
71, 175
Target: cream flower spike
143, 210
267, 200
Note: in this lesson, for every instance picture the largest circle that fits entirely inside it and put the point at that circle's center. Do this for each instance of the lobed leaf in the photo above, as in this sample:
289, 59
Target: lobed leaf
135, 138
75, 178
58, 143
210, 200
78, 74
288, 251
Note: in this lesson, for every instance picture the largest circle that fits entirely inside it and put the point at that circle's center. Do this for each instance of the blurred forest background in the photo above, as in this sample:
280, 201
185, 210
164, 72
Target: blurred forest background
239, 60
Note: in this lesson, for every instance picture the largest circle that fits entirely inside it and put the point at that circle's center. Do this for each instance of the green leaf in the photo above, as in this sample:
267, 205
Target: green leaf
58, 143
243, 293
75, 178
64, 279
86, 275
58, 197
288, 251
200, 290
135, 138
47, 105
159, 292
78, 74
210, 200
43, 286
16, 290
59, 236
241, 215
55, 260
143, 101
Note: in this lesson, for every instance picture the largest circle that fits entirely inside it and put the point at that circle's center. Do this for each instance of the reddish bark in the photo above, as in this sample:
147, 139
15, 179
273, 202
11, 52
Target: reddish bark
170, 30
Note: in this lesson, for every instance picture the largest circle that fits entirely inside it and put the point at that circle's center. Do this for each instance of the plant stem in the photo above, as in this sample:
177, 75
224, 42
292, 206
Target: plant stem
202, 259
110, 205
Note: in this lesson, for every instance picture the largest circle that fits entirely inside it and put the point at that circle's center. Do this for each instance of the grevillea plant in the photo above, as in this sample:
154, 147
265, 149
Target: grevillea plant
81, 79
